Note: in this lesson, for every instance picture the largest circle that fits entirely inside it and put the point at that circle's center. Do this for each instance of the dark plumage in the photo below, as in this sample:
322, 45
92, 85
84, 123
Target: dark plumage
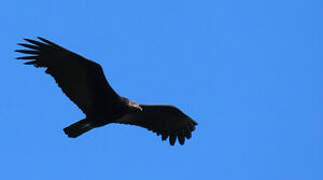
83, 81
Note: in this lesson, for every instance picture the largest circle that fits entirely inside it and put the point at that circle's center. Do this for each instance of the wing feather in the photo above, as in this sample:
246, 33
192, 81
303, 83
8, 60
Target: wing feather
82, 80
164, 120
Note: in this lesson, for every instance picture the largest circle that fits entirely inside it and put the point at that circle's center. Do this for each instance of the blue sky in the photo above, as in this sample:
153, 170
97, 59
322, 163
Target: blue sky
249, 72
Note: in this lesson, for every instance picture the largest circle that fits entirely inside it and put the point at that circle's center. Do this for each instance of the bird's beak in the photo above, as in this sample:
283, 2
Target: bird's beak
135, 105
139, 107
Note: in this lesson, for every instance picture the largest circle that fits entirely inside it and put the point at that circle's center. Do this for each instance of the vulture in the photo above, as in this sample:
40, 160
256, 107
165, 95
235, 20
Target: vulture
84, 83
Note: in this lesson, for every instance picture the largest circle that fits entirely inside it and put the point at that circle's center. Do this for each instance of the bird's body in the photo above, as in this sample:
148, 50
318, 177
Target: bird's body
83, 81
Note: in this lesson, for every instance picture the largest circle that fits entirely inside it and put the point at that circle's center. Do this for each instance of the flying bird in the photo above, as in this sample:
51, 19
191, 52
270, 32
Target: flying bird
84, 83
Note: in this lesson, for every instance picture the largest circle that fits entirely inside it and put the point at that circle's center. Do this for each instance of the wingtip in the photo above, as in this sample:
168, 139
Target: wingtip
164, 137
19, 50
28, 46
28, 57
172, 140
21, 57
31, 62
181, 141
41, 38
48, 42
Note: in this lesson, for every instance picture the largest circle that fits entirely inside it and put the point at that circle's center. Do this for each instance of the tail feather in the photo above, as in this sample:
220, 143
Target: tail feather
78, 128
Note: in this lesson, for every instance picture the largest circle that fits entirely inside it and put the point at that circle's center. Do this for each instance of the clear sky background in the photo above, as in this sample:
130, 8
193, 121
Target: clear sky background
249, 72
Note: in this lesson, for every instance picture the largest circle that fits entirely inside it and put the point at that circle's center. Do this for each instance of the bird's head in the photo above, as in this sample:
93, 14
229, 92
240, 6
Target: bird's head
134, 106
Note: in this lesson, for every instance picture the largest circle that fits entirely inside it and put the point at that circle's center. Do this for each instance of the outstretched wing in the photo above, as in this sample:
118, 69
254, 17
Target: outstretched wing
165, 120
82, 80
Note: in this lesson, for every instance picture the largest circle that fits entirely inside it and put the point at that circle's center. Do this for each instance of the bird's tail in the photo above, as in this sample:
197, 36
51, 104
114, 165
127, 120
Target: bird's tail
78, 128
